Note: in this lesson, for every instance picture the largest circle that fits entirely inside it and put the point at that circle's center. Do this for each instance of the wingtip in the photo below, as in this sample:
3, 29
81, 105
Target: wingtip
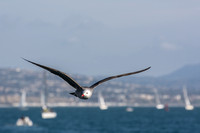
147, 68
30, 61
24, 59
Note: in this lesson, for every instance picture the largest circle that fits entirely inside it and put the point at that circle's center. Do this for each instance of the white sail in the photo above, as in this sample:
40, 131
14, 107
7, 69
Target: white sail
23, 102
158, 103
44, 94
46, 112
102, 104
42, 98
188, 105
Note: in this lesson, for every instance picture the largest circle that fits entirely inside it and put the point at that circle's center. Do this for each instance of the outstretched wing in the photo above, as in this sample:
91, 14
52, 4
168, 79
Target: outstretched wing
117, 76
64, 76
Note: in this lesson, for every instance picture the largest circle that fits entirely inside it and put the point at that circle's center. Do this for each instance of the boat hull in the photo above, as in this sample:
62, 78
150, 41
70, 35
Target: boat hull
160, 106
49, 115
189, 107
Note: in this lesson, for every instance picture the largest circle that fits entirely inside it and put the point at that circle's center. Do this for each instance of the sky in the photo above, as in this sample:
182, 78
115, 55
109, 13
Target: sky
106, 37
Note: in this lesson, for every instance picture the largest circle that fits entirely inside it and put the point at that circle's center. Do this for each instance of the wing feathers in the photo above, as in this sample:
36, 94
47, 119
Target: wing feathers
64, 76
117, 76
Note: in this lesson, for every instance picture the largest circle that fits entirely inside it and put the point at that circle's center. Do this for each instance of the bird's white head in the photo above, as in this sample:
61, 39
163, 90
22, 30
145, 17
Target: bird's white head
87, 93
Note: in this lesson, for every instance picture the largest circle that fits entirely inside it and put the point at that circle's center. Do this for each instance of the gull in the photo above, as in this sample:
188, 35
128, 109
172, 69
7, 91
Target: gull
81, 91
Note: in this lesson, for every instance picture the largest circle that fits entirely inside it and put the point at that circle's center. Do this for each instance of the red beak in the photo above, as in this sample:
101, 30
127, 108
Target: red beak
82, 95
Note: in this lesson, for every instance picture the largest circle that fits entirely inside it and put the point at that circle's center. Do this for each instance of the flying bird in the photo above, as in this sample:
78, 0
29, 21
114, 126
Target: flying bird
82, 92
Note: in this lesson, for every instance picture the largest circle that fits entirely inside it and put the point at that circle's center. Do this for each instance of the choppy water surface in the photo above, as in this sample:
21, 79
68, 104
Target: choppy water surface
113, 120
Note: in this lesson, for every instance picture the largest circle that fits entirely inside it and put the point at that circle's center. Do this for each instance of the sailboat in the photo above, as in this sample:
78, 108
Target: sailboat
24, 121
188, 105
101, 101
158, 104
47, 113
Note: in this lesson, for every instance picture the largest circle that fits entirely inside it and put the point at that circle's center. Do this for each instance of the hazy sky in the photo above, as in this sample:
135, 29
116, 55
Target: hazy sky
100, 37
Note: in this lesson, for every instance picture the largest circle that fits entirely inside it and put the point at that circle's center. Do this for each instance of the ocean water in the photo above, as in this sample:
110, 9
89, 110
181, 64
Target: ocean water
113, 120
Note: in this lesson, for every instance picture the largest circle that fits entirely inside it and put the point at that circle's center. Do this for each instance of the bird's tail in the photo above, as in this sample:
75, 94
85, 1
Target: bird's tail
73, 93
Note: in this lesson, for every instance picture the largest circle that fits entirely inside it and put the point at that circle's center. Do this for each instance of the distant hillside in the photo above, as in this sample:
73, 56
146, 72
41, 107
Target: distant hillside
186, 72
187, 75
